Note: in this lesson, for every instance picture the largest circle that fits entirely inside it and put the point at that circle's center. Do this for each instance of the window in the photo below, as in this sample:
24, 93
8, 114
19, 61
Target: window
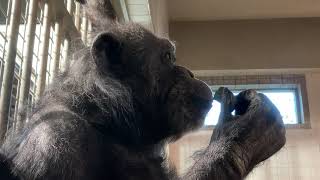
287, 93
285, 100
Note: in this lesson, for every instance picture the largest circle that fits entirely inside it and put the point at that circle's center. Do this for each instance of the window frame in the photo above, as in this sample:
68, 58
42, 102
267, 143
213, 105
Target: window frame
294, 82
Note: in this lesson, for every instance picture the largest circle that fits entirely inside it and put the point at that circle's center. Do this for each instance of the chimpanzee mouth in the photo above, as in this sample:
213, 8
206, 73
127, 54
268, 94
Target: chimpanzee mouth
201, 103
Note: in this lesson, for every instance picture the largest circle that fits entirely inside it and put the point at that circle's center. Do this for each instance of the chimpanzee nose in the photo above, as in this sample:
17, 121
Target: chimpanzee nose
184, 71
202, 95
202, 90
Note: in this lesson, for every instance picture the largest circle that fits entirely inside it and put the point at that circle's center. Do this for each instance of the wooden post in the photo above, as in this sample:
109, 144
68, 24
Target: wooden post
10, 61
41, 81
27, 62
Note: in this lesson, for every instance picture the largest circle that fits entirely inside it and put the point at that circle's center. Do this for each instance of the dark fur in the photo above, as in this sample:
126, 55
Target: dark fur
110, 114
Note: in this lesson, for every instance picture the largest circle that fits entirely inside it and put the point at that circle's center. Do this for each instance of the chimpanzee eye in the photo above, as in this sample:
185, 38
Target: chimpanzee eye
168, 56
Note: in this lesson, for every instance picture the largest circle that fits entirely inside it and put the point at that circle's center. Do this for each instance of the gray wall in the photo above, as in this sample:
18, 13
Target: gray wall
248, 44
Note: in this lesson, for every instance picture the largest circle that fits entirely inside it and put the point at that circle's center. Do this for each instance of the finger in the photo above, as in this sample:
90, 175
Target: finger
269, 108
227, 102
222, 94
245, 100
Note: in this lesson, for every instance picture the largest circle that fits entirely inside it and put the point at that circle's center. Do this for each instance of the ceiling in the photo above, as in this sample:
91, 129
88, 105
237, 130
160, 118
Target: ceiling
206, 10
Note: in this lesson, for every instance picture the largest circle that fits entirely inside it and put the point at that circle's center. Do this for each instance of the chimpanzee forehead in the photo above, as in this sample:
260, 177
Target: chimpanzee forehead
170, 44
136, 33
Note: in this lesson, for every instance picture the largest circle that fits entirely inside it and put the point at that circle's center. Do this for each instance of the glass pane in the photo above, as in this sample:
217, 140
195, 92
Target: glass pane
284, 100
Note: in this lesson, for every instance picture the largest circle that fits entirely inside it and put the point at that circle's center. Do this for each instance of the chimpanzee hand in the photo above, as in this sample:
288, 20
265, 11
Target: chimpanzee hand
254, 133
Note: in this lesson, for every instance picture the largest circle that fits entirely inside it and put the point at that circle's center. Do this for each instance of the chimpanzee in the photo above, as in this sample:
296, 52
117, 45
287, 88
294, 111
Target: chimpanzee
122, 99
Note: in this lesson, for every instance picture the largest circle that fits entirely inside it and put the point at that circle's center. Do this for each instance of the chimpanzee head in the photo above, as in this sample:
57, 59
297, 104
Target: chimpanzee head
167, 98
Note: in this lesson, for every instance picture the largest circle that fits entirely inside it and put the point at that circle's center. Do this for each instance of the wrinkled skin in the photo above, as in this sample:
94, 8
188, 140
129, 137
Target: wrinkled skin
122, 99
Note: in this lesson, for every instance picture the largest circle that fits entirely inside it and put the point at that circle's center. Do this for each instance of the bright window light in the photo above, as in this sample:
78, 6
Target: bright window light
284, 100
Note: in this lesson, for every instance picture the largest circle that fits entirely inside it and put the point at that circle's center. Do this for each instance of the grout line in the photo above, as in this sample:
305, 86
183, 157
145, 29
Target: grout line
255, 71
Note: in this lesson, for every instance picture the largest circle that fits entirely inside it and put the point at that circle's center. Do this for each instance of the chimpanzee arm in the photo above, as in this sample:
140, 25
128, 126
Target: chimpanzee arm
242, 141
217, 163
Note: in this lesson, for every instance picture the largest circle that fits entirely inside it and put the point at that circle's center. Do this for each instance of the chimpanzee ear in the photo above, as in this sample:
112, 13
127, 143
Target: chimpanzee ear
105, 50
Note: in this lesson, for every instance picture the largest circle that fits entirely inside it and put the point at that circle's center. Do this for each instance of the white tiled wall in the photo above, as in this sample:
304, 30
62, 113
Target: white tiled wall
298, 160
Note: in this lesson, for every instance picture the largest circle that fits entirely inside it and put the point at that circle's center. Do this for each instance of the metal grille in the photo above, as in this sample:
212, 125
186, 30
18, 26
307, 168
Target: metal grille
5, 18
61, 54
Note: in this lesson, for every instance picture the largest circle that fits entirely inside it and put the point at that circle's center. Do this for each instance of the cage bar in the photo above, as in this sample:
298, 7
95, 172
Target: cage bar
9, 67
41, 81
27, 61
77, 21
56, 48
84, 29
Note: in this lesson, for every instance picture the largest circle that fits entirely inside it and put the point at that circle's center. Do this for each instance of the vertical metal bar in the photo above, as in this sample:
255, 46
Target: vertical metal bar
56, 48
66, 48
9, 67
43, 56
27, 62
77, 16
6, 35
90, 32
66, 43
69, 6
84, 29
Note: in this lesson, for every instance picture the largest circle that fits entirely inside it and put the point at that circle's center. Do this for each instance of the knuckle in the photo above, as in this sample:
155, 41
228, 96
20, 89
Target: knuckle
249, 94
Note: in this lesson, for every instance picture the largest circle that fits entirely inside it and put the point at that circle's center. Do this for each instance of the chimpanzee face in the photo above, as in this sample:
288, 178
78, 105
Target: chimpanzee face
168, 99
